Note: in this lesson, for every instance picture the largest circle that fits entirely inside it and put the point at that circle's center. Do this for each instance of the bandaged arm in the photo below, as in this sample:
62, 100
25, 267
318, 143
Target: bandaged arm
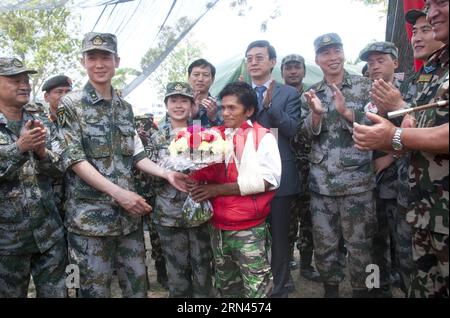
260, 171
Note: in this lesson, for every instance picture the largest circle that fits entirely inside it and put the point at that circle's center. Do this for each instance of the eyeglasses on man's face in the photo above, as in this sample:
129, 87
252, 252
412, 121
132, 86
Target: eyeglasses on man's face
258, 58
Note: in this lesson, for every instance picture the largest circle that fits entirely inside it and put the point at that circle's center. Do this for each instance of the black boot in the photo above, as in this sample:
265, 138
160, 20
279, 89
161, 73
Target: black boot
307, 270
161, 273
331, 291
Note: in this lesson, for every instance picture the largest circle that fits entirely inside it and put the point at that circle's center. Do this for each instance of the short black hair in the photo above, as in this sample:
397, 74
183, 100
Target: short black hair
202, 63
301, 63
263, 43
244, 92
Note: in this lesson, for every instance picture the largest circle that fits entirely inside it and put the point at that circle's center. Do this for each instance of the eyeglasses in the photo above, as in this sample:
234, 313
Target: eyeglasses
257, 58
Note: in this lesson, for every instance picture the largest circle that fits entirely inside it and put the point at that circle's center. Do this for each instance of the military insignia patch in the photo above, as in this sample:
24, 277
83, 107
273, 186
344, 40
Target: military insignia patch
97, 41
179, 88
326, 39
61, 117
17, 63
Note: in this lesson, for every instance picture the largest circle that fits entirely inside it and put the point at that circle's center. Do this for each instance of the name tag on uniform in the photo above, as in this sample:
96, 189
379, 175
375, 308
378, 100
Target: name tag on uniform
425, 78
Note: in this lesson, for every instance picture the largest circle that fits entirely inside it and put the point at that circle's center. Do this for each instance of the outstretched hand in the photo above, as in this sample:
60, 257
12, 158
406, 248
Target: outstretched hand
376, 137
178, 180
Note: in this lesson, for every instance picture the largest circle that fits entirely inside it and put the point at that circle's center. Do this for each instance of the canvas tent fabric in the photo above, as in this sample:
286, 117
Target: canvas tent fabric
230, 71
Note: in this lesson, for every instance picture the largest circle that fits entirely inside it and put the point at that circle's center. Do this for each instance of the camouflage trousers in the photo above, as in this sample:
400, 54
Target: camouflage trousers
242, 263
157, 253
188, 260
301, 224
99, 257
392, 229
47, 269
430, 253
354, 218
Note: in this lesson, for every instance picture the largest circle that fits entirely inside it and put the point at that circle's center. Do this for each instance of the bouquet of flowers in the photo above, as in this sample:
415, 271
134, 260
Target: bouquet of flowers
192, 149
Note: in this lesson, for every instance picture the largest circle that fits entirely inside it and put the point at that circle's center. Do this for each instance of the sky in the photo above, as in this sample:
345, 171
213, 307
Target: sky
226, 35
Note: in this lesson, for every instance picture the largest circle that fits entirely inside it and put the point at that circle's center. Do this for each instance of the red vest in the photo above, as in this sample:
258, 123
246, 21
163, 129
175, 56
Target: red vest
234, 213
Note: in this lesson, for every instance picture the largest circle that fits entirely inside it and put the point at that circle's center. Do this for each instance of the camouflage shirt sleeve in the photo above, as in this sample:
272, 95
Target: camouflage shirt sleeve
52, 164
69, 124
11, 160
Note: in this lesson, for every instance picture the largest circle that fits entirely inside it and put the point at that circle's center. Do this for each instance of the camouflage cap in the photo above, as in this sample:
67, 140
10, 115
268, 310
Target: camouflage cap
293, 58
10, 66
56, 81
178, 88
381, 47
412, 15
326, 40
99, 41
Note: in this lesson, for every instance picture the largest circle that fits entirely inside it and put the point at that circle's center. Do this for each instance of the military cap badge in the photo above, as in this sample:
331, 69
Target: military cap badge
97, 40
17, 63
179, 88
326, 39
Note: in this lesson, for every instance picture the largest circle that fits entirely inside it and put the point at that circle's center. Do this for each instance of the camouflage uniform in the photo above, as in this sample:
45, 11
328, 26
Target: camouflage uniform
250, 276
429, 195
302, 147
341, 184
388, 222
102, 133
187, 250
146, 186
31, 230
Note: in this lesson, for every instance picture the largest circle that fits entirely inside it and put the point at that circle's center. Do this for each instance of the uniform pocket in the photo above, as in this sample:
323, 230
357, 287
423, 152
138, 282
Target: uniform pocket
127, 140
96, 139
354, 158
12, 208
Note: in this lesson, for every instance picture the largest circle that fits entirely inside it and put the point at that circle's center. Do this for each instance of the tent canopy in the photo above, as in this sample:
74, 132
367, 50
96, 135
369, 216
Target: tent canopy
230, 71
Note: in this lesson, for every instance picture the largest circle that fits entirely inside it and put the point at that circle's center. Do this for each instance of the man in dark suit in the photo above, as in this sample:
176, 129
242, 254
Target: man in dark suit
279, 110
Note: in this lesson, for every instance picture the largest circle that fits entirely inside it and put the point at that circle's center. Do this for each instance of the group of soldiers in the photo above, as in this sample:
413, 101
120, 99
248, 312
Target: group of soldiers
80, 179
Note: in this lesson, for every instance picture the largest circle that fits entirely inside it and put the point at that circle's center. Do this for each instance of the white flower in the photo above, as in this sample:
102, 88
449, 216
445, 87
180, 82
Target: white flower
181, 145
204, 146
218, 147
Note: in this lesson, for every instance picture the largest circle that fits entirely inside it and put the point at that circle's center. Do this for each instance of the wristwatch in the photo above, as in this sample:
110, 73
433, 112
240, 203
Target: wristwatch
397, 140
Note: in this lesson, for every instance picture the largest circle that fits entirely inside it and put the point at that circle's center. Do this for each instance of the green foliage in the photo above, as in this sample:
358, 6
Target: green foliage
174, 67
46, 40
123, 76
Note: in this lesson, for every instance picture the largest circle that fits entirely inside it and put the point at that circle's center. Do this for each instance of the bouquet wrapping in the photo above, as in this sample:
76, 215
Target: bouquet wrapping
193, 149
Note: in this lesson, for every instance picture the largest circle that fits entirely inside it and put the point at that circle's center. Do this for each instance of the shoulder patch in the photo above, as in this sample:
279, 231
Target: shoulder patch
61, 117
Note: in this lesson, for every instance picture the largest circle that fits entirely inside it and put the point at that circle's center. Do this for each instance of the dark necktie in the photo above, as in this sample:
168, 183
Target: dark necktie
260, 94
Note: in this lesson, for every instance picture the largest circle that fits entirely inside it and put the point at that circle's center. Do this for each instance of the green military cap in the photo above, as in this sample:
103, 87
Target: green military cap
178, 88
292, 58
412, 15
99, 41
10, 66
381, 47
326, 40
56, 81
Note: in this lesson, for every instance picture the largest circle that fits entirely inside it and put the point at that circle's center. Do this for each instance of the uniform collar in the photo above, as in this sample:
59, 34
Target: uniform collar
439, 58
347, 82
95, 97
25, 117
